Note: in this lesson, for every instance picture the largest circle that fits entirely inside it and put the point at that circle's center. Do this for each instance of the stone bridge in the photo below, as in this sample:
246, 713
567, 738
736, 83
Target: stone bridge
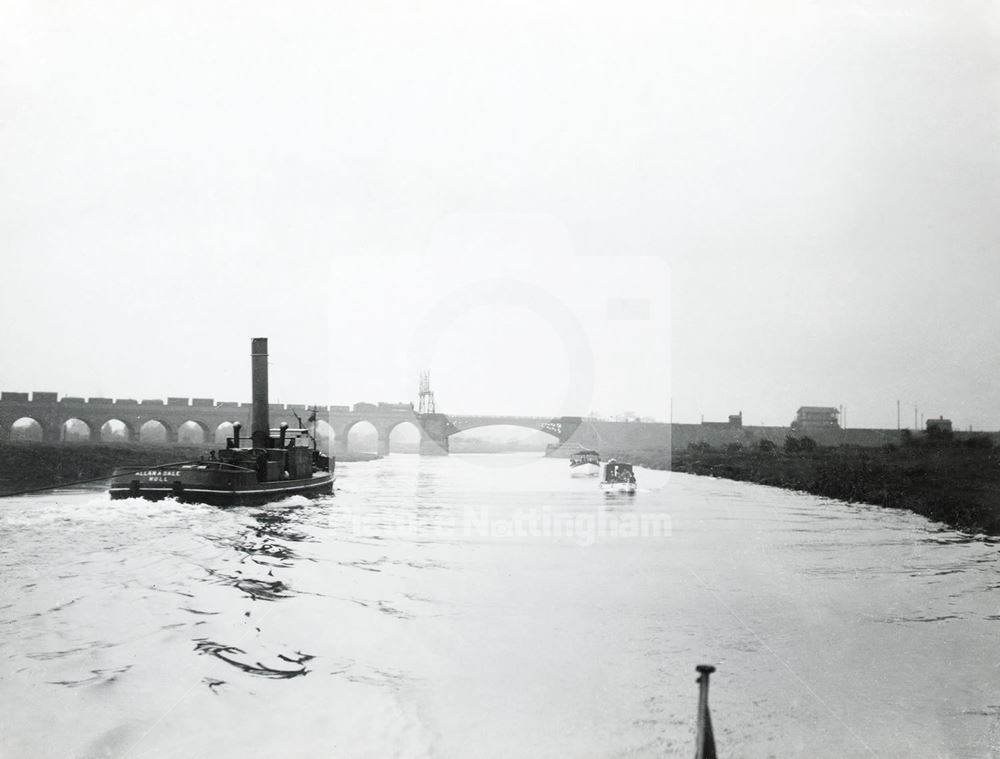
210, 420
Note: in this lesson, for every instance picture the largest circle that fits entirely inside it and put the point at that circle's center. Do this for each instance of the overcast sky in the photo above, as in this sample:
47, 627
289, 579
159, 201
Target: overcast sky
743, 206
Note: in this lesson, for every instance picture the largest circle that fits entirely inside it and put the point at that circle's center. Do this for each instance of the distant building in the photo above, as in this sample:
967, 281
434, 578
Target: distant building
735, 421
816, 418
939, 425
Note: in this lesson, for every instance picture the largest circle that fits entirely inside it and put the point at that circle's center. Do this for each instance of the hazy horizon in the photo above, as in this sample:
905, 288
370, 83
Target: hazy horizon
558, 209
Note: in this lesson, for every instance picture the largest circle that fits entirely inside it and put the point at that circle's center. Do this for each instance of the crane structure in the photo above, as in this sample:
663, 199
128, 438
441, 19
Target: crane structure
426, 405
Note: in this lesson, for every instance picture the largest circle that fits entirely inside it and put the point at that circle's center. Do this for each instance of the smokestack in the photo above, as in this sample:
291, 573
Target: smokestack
260, 424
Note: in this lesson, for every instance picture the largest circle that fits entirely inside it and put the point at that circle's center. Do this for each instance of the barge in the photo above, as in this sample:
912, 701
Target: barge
269, 465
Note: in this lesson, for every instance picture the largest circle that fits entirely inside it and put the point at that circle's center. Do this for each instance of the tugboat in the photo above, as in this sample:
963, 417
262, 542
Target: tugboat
274, 465
618, 478
585, 463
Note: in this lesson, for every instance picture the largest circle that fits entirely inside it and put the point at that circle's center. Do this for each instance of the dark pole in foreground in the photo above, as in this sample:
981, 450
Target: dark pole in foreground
705, 747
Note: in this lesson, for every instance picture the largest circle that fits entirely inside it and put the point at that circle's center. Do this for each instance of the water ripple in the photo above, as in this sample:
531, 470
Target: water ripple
228, 653
98, 677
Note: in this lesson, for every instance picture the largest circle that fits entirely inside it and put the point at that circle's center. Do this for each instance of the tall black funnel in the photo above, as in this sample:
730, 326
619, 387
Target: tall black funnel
260, 424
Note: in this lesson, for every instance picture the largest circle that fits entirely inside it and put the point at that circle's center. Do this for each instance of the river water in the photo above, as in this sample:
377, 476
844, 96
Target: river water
492, 606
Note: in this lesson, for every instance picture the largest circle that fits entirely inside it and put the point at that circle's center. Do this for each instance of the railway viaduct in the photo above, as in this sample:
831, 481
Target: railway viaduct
213, 419
52, 415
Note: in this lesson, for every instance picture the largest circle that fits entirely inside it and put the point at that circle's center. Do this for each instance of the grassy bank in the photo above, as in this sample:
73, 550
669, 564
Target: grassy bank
949, 481
31, 465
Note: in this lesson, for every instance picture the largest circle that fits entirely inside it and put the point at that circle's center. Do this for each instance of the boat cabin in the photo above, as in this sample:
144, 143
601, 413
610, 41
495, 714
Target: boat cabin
584, 457
618, 472
288, 455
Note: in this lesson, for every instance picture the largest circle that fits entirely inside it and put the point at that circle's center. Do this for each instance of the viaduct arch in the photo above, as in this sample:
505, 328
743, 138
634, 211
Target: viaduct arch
51, 413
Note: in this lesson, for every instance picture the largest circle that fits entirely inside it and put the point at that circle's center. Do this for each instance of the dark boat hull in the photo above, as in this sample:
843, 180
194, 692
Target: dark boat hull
217, 488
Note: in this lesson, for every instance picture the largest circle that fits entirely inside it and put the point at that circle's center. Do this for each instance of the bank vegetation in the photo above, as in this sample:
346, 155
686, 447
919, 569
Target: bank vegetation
936, 475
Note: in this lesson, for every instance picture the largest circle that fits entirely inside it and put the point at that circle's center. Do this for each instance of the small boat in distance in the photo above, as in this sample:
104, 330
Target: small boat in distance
618, 478
275, 464
585, 463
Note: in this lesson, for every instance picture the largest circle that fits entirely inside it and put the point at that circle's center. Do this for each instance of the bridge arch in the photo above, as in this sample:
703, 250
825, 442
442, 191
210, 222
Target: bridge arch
76, 430
115, 430
502, 436
325, 435
194, 431
405, 435
27, 429
223, 431
360, 435
480, 424
157, 431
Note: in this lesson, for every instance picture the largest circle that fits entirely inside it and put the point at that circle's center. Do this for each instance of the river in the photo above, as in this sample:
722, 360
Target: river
492, 606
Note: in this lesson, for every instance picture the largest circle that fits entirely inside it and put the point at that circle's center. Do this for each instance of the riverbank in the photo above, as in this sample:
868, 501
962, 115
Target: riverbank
38, 465
954, 482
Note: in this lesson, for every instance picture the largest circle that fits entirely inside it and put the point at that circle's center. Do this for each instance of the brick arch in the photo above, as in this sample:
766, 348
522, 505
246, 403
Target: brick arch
352, 423
170, 428
342, 434
390, 426
385, 433
84, 420
207, 432
10, 422
223, 431
326, 430
131, 431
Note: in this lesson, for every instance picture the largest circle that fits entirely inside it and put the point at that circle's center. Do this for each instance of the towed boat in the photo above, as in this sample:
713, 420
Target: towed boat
269, 465
585, 463
618, 478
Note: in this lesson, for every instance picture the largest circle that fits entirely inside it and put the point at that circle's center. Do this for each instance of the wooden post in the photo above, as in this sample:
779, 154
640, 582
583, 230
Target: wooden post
705, 740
